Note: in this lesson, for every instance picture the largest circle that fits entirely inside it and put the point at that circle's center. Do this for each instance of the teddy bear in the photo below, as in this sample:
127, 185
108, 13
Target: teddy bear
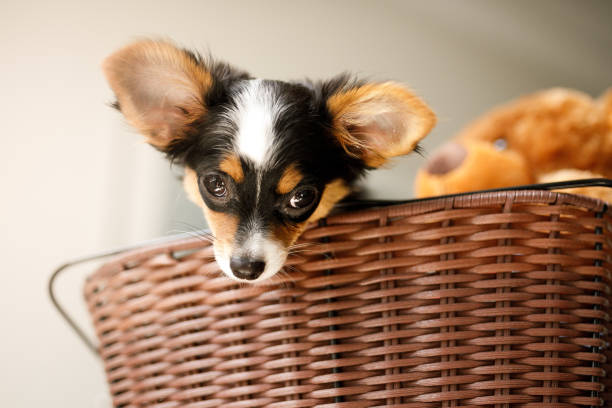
552, 135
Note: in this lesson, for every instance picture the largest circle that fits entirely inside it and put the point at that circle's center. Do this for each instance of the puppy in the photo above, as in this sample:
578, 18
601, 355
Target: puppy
262, 158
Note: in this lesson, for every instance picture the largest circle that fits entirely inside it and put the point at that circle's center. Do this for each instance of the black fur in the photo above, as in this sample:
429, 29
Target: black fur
305, 139
293, 121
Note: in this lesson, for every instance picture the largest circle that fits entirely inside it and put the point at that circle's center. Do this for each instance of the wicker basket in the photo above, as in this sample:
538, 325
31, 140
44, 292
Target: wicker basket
485, 300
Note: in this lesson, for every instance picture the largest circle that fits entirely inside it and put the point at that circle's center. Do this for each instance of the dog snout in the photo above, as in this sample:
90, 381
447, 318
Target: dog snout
247, 268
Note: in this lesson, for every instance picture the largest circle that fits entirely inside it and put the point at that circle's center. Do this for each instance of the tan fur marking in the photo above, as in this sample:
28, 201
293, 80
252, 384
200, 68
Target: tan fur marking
334, 192
223, 226
290, 178
190, 184
231, 165
287, 235
379, 121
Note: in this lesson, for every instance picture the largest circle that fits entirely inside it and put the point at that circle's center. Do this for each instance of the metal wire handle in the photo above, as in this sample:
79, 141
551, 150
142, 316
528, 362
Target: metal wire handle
101, 255
350, 205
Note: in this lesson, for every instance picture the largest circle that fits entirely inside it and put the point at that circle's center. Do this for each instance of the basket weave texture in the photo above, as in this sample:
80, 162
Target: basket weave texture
485, 300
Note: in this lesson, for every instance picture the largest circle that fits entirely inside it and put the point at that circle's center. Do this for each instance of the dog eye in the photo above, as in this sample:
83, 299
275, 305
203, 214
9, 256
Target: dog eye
215, 185
302, 198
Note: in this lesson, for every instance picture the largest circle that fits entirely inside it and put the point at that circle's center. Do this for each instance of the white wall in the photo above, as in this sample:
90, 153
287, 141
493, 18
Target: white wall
75, 180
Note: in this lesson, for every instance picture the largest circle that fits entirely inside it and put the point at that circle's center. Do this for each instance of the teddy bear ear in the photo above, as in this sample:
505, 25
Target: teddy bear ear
377, 121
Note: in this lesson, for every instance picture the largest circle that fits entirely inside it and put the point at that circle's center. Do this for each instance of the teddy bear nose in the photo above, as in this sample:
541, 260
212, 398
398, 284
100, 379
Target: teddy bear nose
246, 268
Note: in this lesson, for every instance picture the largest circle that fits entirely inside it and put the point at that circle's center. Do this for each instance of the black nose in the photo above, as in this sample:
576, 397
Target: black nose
246, 268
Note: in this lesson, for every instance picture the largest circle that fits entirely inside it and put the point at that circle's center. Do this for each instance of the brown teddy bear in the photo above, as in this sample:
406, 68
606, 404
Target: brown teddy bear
552, 135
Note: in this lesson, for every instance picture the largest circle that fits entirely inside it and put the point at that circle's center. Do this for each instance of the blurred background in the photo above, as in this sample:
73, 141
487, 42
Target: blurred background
76, 180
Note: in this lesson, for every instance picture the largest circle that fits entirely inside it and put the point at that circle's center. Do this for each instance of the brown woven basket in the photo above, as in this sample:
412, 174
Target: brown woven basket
485, 300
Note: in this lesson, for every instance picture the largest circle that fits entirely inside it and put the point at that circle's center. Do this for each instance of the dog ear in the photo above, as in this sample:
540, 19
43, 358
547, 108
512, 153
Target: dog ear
162, 89
377, 121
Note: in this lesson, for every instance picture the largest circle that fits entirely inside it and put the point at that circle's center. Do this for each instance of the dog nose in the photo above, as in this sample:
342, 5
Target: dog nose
246, 268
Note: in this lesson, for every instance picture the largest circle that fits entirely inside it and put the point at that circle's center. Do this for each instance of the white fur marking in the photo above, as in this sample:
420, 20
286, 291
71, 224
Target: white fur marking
272, 252
256, 111
223, 260
257, 246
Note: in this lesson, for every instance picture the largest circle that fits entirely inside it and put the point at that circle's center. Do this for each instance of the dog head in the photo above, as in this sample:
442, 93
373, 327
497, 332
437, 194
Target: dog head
262, 158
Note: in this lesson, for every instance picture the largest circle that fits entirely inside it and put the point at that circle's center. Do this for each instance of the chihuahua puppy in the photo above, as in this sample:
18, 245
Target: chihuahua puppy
262, 158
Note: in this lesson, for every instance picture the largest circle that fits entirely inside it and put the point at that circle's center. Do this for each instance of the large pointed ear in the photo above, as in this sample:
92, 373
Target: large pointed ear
377, 121
160, 88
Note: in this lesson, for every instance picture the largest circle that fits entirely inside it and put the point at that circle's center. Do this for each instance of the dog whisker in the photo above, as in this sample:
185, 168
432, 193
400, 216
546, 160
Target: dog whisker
284, 280
201, 237
194, 232
297, 248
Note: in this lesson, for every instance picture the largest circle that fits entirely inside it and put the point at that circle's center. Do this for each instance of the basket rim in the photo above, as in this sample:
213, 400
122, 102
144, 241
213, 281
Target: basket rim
185, 242
568, 184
